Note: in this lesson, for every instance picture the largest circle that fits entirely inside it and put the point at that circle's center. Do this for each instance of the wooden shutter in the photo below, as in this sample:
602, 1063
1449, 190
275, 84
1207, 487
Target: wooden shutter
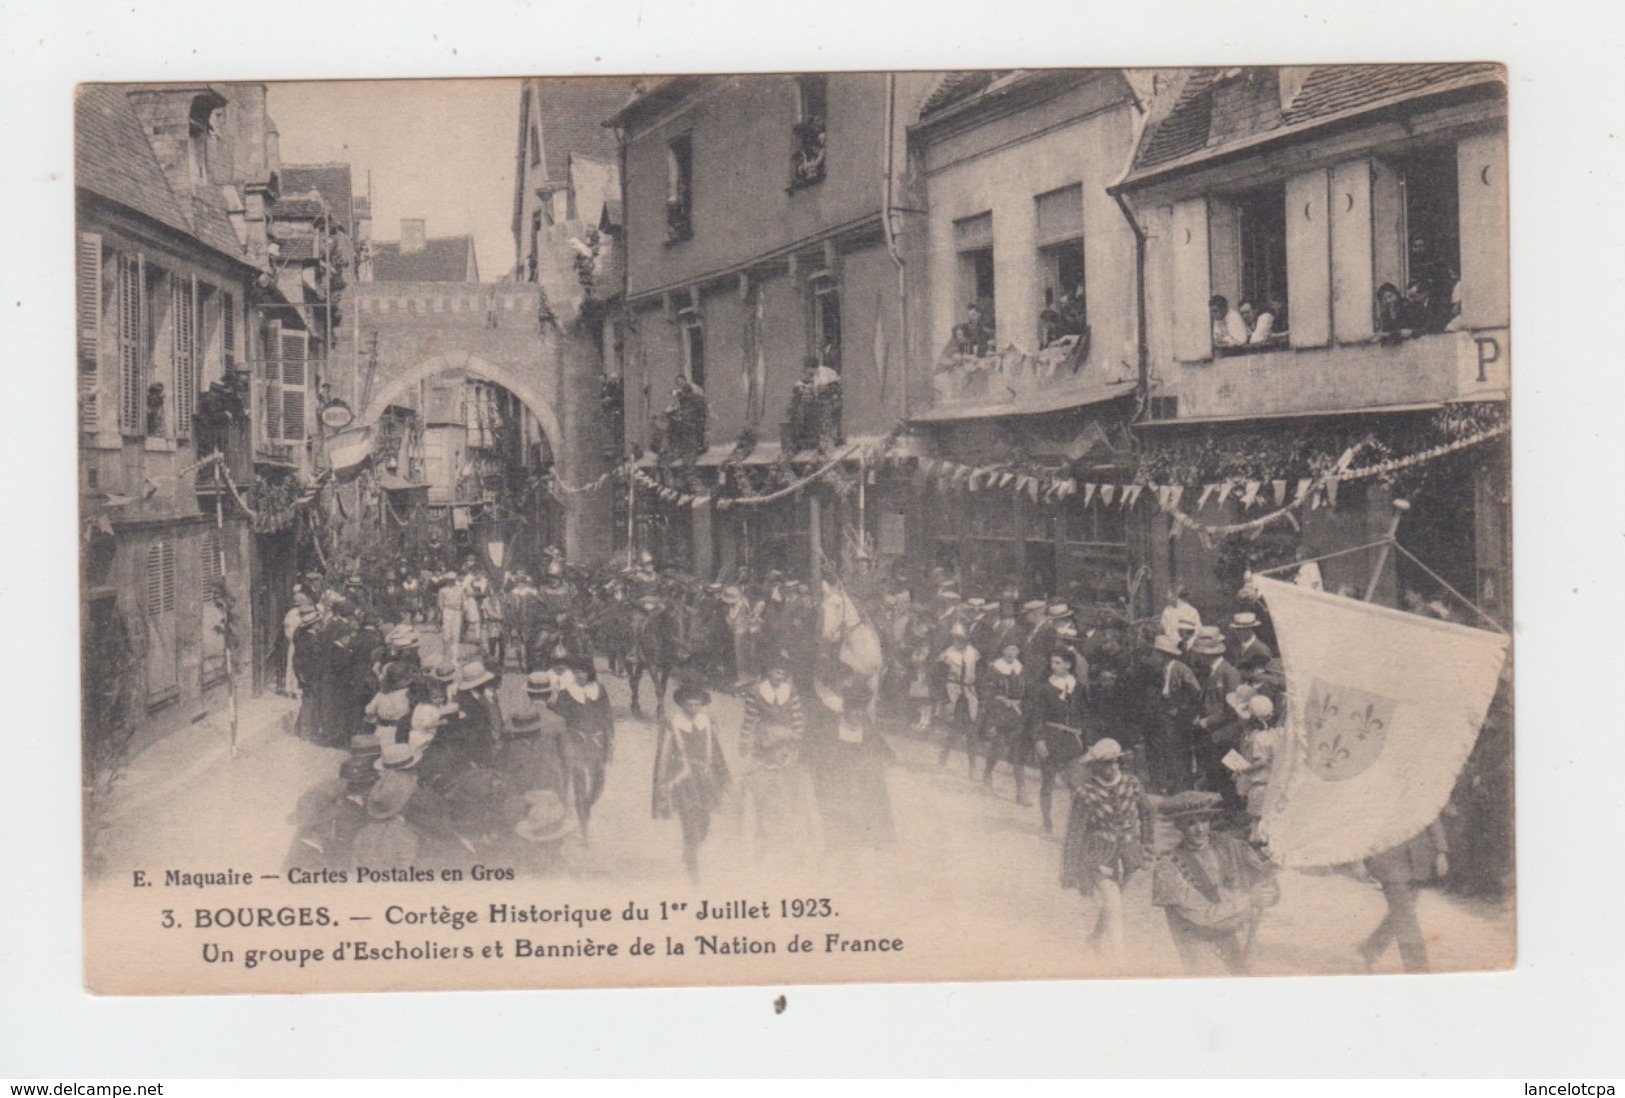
1224, 249
1388, 226
1353, 294
132, 375
163, 674
295, 381
212, 620
184, 349
973, 233
1481, 183
1308, 260
1193, 326
1060, 215
271, 381
90, 330
228, 331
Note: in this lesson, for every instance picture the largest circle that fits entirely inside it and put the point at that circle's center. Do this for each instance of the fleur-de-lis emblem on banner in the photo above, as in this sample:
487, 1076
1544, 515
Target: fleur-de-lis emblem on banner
1345, 729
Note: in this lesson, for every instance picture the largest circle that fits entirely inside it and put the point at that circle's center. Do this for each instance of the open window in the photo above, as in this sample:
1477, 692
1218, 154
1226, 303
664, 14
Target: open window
826, 322
1417, 240
692, 330
1247, 238
203, 123
975, 332
809, 132
1060, 265
680, 189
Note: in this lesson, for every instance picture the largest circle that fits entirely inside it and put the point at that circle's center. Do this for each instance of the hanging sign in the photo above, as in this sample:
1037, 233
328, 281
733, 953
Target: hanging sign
337, 415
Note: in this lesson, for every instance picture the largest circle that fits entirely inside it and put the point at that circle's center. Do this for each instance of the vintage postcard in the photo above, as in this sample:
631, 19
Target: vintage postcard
795, 528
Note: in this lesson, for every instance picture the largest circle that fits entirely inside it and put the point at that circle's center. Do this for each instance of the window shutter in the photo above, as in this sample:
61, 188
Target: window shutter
132, 391
185, 354
228, 330
1193, 327
160, 578
90, 329
294, 384
271, 371
213, 571
1481, 183
1308, 260
1224, 249
1353, 294
1060, 215
1388, 233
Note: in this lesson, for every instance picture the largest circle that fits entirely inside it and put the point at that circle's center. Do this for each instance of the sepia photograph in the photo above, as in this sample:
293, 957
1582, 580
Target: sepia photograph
795, 527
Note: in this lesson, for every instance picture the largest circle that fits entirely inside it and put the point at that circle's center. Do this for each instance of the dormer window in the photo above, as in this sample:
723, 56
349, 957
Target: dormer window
808, 133
203, 126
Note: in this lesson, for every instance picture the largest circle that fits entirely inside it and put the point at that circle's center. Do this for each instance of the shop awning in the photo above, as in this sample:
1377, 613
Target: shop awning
1039, 405
391, 482
764, 453
1322, 413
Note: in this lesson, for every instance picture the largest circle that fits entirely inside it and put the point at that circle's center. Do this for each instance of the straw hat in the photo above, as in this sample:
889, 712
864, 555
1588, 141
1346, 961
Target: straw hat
1167, 645
389, 795
1191, 805
473, 675
1103, 751
1209, 642
548, 820
1244, 620
398, 756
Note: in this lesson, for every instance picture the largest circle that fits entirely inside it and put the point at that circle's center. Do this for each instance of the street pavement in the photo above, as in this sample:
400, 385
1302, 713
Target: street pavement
970, 877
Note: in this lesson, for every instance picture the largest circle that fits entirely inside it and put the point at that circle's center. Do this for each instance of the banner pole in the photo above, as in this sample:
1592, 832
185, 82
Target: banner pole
1401, 506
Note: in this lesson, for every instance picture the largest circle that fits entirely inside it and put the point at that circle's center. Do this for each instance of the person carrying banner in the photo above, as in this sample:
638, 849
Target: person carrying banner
1212, 888
1401, 870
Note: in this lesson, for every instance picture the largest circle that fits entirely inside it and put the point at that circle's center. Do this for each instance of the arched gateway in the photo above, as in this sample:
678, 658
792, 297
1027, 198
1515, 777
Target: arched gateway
510, 379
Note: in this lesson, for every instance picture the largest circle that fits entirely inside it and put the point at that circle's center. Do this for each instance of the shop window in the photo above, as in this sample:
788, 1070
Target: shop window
1247, 237
1094, 558
680, 189
809, 131
1060, 265
975, 333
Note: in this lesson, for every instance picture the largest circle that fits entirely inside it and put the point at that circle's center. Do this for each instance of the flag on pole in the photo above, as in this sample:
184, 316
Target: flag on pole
349, 451
1385, 707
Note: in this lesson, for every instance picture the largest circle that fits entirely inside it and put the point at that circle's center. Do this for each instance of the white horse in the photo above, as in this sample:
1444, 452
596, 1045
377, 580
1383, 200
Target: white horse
857, 640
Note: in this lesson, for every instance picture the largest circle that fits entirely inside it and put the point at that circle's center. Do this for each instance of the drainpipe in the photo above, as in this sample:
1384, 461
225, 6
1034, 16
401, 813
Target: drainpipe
1143, 342
889, 169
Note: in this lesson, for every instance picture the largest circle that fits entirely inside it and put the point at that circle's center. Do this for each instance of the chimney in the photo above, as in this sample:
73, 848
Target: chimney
411, 235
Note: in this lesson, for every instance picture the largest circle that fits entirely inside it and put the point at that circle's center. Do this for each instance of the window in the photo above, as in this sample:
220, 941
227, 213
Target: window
535, 246
1247, 238
973, 243
826, 323
680, 189
202, 125
89, 301
1431, 235
162, 662
1094, 558
535, 146
285, 380
159, 315
228, 332
1060, 264
692, 331
808, 133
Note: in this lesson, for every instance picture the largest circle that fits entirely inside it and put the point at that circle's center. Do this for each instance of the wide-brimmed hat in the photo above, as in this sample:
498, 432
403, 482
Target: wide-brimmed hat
398, 756
958, 632
389, 795
732, 594
650, 602
976, 603
443, 673
548, 821
646, 558
1066, 631
525, 722
473, 674
1058, 610
402, 637
539, 683
1244, 620
1032, 606
309, 615
1238, 698
1103, 751
1192, 804
1167, 645
948, 595
357, 770
1209, 641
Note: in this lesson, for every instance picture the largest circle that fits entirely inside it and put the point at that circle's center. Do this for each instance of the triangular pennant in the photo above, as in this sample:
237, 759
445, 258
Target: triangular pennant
1131, 494
1107, 493
1249, 494
1163, 494
1303, 490
1032, 488
1005, 479
1089, 491
1207, 492
1280, 492
1331, 491
1175, 491
1225, 488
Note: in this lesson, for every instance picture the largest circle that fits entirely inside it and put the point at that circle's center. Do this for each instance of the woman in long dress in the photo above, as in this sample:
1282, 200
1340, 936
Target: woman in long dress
691, 775
775, 782
1108, 834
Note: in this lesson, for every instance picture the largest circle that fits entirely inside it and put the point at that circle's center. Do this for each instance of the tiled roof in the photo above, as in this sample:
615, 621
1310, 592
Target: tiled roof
112, 158
957, 86
1333, 89
305, 207
443, 259
1328, 91
571, 114
331, 181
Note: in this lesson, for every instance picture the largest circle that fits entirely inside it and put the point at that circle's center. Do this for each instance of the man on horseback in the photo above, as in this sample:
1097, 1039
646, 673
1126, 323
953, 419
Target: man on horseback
556, 616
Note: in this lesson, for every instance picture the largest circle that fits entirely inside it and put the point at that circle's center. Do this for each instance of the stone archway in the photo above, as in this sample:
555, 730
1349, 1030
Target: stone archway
525, 389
